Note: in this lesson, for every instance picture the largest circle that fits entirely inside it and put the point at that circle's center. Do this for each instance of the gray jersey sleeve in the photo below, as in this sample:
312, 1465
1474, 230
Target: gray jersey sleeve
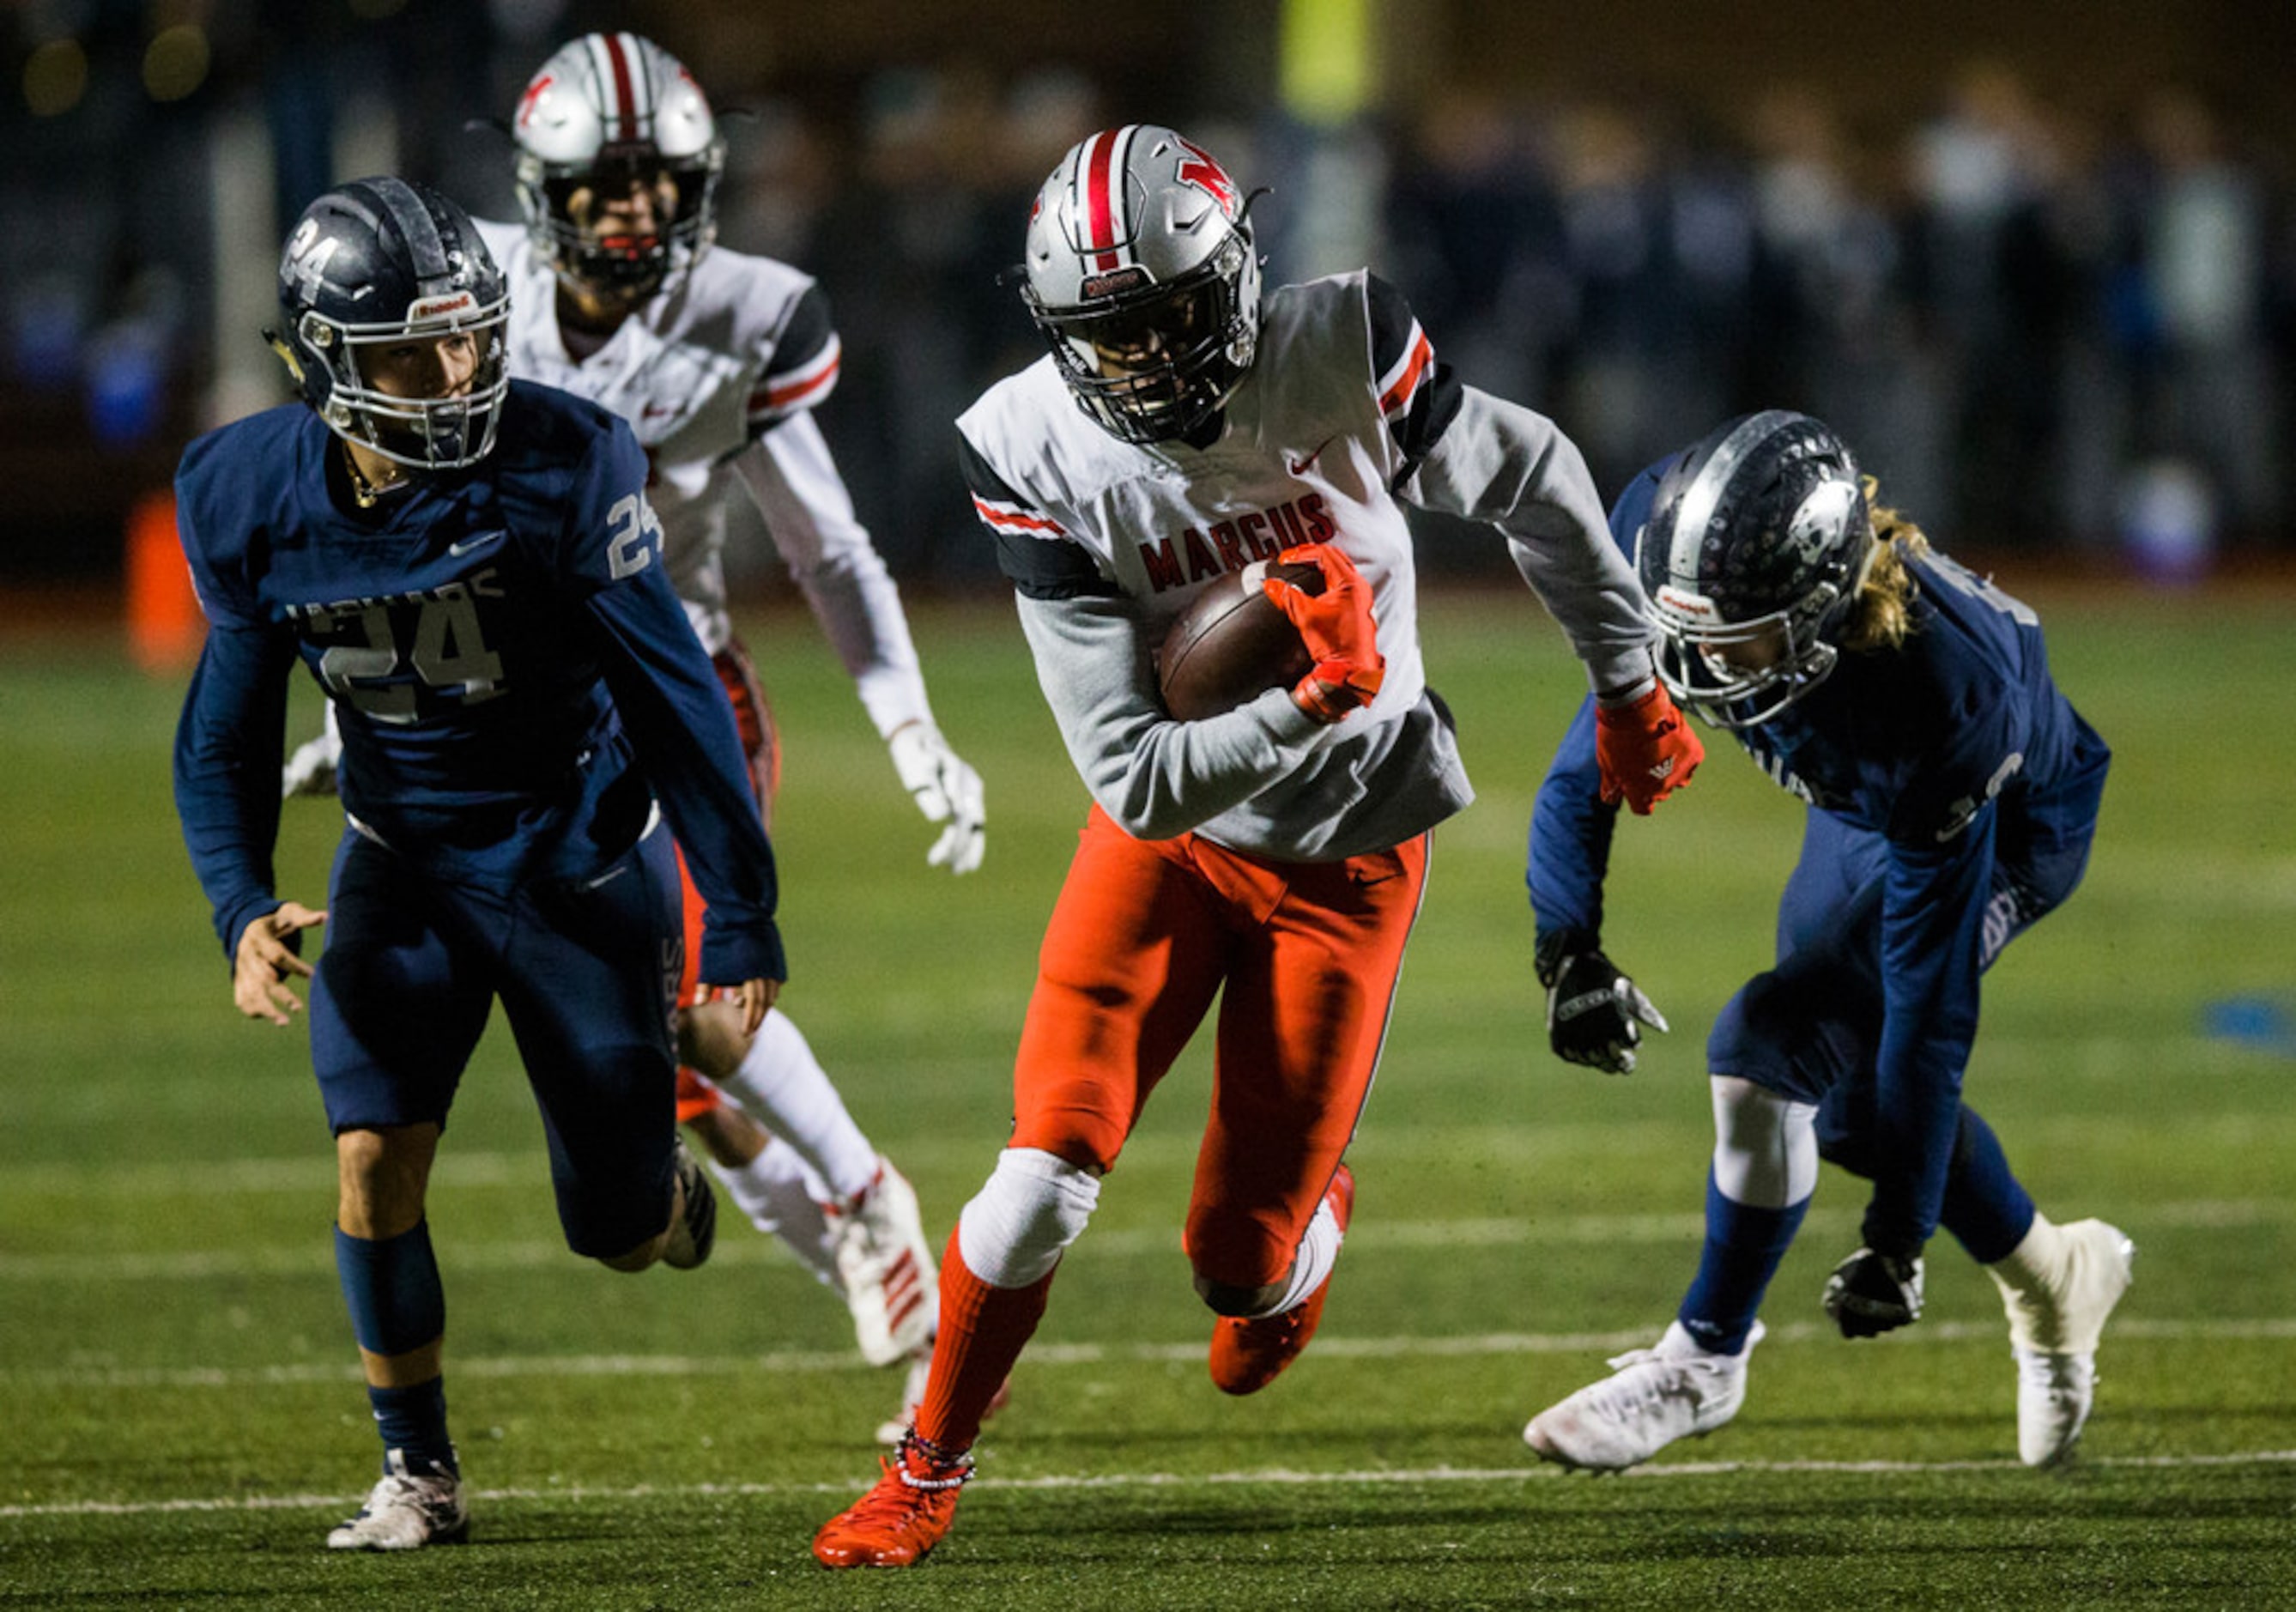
1501, 464
1155, 776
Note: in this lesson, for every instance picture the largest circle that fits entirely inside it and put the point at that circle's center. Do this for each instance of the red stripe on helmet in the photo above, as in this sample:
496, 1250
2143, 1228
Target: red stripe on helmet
1101, 184
626, 95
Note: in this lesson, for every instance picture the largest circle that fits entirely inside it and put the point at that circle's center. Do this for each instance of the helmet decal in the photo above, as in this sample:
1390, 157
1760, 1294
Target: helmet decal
631, 121
1209, 177
1101, 206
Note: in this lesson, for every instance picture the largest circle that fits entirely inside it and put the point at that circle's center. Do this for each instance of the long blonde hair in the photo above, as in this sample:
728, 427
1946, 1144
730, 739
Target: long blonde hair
1883, 612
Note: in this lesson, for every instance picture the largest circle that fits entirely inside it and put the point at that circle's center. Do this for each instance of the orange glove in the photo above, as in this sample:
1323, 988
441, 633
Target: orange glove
1336, 625
1645, 748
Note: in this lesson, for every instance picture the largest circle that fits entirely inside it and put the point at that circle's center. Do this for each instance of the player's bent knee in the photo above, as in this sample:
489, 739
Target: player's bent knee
1019, 1224
1764, 1144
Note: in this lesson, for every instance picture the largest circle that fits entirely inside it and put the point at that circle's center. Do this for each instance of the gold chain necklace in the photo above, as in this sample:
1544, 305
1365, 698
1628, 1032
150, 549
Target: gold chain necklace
367, 494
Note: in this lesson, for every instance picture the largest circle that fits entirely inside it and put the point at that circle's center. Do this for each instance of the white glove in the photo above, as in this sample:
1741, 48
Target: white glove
946, 791
311, 770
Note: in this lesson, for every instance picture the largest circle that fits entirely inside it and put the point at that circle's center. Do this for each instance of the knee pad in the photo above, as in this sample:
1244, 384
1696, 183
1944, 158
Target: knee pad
1018, 1225
1765, 1144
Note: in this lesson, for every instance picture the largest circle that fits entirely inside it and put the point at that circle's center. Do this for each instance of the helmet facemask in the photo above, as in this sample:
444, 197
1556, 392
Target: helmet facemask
564, 206
1152, 363
442, 432
1739, 674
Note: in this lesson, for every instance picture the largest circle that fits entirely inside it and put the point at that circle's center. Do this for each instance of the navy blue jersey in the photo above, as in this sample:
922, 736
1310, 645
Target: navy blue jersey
517, 681
1954, 772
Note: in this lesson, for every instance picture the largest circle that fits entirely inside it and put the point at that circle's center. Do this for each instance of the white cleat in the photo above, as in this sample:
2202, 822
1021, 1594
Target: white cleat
406, 1511
2059, 1287
1654, 1397
886, 1269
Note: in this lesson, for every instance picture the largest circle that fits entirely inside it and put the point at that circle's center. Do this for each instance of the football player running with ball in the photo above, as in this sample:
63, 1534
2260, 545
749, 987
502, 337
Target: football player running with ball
1177, 433
1951, 794
716, 359
469, 567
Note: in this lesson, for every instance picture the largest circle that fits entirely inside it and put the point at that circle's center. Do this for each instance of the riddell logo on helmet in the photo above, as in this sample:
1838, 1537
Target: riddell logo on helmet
434, 308
1688, 603
1109, 285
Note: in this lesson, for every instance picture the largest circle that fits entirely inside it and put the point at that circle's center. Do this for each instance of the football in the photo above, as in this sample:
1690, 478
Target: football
1232, 642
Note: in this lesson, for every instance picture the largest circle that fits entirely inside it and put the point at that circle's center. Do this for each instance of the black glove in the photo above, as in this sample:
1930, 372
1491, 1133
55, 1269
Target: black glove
1595, 1014
1871, 1293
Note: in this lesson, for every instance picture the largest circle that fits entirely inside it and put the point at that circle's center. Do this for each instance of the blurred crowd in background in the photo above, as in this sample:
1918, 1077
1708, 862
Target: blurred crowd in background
2041, 328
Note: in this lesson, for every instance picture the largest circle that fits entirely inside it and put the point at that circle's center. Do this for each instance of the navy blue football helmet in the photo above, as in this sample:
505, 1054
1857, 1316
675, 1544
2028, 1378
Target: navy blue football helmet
1757, 541
385, 261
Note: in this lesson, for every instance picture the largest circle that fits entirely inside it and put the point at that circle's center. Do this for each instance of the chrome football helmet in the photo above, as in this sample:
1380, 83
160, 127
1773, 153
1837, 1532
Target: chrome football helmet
1142, 277
608, 115
1757, 541
381, 262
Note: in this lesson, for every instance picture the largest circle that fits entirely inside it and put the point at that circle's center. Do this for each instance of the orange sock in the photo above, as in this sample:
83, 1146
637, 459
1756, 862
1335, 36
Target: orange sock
982, 1331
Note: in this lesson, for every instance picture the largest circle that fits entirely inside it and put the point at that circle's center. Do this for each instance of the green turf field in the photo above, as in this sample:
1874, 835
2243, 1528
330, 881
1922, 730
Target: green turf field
180, 1417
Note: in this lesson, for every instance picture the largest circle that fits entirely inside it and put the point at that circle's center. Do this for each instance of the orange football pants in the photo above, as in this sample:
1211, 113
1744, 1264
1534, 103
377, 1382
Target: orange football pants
761, 745
1304, 959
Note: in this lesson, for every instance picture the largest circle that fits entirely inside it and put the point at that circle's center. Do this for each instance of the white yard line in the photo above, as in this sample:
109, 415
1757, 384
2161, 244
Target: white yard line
315, 1257
1061, 1483
803, 1362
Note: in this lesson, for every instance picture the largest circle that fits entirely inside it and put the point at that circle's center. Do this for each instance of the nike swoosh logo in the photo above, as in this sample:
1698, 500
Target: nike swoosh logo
468, 545
1299, 467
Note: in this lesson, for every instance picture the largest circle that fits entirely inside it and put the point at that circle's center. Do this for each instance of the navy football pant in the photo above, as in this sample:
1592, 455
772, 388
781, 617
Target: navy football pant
586, 971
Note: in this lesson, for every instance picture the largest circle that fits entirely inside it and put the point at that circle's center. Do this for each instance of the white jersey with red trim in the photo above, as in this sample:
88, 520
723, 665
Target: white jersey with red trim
718, 376
1345, 413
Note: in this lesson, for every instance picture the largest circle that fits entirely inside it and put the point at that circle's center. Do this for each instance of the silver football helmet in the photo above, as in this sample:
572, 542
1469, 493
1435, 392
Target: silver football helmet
1140, 275
1757, 541
379, 263
608, 115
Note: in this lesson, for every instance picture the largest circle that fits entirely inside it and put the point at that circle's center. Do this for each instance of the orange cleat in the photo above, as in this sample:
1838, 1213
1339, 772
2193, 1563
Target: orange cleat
898, 1523
1247, 1355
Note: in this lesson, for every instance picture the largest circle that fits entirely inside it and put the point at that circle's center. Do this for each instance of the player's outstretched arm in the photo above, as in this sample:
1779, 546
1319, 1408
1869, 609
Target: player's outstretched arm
268, 958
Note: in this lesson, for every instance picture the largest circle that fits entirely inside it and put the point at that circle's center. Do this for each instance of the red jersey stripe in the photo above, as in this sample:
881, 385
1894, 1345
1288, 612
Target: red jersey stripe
1397, 397
1004, 517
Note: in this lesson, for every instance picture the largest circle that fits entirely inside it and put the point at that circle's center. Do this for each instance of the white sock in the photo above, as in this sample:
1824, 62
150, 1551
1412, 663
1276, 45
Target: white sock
783, 1084
782, 1195
2036, 1258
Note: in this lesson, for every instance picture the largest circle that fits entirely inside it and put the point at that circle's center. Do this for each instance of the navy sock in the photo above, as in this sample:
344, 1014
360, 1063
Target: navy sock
414, 1422
1986, 1208
1743, 1246
391, 1287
